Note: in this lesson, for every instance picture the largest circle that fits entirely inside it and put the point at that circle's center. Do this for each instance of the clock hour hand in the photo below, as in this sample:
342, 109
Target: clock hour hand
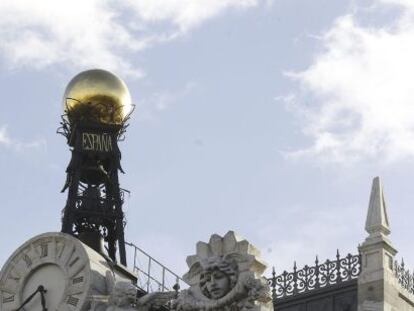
29, 298
42, 291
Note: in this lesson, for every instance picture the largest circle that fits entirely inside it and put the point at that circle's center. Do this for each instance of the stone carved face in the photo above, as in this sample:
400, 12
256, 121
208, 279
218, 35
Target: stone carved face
219, 276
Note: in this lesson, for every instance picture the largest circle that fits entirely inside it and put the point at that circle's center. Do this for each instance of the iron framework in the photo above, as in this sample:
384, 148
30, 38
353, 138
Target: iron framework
95, 199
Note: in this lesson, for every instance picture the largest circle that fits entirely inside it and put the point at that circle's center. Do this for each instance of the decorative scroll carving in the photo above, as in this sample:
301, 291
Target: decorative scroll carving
122, 296
321, 275
225, 275
404, 276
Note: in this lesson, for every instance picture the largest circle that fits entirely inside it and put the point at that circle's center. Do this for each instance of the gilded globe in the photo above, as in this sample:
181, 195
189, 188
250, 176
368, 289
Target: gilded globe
97, 96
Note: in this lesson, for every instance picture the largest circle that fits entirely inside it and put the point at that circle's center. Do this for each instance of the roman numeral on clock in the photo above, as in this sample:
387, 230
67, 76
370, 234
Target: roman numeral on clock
27, 260
73, 301
73, 262
43, 250
77, 280
8, 299
13, 276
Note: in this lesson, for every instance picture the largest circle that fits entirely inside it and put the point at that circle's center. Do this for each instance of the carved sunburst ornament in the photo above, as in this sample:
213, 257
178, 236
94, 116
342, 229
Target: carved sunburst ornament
225, 274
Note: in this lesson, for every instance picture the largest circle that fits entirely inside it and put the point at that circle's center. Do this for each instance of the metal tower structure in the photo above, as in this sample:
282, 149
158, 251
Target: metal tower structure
94, 122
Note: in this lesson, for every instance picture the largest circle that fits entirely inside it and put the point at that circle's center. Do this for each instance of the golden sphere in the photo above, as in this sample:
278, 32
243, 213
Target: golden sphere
98, 96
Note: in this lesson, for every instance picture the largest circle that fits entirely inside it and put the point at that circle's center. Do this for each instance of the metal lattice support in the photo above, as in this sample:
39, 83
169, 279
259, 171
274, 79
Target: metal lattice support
404, 276
95, 199
322, 275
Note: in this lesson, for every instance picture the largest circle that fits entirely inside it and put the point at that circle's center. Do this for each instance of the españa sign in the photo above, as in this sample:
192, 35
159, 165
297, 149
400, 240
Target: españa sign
97, 142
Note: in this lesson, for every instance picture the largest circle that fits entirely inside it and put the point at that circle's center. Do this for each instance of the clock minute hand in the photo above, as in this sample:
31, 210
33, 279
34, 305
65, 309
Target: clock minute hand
42, 291
28, 299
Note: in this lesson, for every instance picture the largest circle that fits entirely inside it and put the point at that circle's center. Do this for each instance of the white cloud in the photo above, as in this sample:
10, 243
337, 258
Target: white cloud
185, 14
94, 33
150, 107
8, 142
360, 89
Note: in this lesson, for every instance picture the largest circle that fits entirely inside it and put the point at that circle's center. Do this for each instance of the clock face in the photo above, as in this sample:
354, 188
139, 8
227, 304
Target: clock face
56, 261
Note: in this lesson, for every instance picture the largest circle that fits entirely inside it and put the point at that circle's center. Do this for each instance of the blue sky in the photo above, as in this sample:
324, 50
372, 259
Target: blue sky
269, 118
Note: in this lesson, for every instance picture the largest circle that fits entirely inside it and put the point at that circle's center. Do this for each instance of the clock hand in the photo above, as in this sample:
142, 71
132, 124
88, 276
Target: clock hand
42, 291
29, 298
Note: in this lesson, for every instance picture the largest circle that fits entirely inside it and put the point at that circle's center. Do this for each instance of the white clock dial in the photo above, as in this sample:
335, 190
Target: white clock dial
50, 276
56, 261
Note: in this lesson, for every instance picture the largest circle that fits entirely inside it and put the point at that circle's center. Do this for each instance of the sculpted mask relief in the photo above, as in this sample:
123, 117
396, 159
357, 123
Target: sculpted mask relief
225, 274
218, 277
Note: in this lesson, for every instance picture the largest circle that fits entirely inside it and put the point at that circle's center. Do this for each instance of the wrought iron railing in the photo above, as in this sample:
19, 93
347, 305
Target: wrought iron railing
153, 275
404, 276
322, 275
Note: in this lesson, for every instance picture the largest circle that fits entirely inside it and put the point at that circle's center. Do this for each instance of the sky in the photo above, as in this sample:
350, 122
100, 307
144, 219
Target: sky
266, 117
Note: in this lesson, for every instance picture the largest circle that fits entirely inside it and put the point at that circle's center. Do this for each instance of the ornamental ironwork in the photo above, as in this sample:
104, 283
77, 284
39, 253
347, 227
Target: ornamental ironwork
404, 276
321, 275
